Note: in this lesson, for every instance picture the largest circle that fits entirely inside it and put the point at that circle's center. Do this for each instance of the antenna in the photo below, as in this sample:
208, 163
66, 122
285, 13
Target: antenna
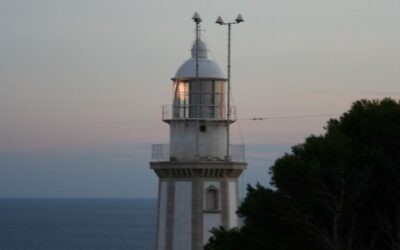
219, 21
197, 19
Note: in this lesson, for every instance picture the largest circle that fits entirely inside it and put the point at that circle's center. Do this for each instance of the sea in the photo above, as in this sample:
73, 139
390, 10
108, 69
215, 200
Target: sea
77, 223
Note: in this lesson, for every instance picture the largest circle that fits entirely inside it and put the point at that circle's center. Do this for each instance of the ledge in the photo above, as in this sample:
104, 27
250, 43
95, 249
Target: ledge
198, 164
182, 170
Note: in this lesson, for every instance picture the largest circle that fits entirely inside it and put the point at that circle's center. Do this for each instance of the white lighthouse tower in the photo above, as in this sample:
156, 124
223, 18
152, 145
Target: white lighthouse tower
198, 173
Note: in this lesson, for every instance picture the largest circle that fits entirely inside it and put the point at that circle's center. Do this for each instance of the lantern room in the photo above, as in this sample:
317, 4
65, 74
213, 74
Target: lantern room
198, 98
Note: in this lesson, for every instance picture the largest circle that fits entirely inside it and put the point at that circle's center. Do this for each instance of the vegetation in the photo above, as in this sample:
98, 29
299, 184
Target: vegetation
337, 191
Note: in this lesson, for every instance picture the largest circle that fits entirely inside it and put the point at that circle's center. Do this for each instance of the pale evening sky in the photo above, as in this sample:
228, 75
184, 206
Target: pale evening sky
82, 82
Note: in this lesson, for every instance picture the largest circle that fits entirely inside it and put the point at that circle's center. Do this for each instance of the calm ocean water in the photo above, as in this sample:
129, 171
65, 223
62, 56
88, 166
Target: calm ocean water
77, 224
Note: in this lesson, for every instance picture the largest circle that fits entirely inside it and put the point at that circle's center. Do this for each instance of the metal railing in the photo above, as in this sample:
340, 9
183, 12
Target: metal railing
189, 112
161, 152
237, 152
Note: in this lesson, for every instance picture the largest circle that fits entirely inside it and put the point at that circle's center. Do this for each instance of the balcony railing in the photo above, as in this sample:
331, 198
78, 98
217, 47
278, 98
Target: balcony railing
161, 152
189, 112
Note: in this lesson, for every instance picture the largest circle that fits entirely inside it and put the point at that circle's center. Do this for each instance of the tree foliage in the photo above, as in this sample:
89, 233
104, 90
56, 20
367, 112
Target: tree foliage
337, 191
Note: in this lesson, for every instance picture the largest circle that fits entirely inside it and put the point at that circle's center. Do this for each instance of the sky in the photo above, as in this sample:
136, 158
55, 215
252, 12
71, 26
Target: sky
82, 82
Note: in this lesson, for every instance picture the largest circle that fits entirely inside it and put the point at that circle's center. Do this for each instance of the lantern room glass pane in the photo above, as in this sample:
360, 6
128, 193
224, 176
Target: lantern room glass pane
193, 99
181, 99
204, 96
219, 87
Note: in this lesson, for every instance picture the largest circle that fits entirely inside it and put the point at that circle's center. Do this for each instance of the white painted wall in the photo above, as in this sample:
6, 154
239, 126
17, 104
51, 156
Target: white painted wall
210, 220
182, 235
212, 143
233, 196
162, 199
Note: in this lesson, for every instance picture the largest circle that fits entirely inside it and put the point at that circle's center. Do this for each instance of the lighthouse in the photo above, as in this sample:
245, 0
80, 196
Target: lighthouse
198, 170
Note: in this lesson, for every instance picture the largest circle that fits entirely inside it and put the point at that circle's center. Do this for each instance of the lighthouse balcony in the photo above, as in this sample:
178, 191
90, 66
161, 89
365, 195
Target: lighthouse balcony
207, 112
206, 152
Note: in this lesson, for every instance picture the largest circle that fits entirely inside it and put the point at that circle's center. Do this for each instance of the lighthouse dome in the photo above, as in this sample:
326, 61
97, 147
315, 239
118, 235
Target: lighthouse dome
207, 68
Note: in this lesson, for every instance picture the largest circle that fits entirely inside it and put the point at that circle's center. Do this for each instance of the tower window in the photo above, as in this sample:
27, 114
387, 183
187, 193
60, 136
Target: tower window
212, 199
203, 128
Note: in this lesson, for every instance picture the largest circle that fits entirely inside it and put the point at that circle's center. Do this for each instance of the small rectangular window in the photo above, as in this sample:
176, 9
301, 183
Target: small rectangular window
203, 128
212, 199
